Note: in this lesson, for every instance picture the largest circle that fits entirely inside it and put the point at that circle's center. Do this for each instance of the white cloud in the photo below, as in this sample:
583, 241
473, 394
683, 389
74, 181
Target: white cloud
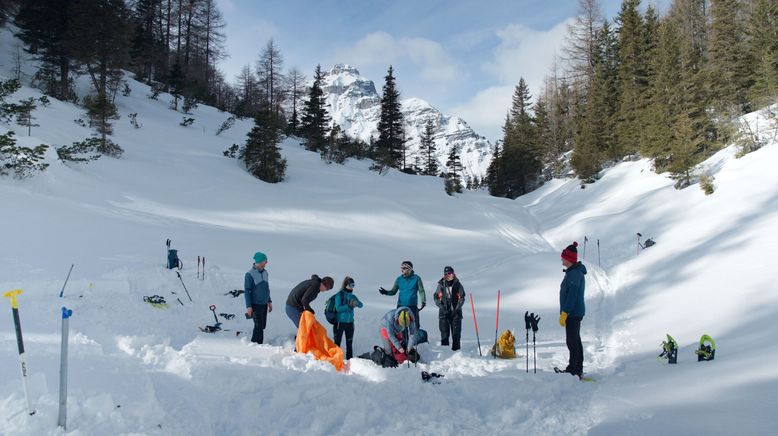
525, 52
381, 48
522, 52
485, 112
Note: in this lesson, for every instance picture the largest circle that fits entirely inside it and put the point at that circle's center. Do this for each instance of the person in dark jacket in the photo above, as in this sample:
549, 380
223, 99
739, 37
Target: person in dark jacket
345, 302
411, 288
450, 297
572, 308
256, 290
303, 294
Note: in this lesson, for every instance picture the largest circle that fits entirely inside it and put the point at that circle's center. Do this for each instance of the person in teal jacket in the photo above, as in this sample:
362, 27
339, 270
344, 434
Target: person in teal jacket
572, 308
411, 288
345, 302
256, 290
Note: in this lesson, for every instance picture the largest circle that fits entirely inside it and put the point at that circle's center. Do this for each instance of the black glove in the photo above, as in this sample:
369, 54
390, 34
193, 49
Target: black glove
383, 291
534, 320
527, 322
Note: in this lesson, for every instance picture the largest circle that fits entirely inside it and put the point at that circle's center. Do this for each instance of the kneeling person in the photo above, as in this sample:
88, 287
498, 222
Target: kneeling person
398, 331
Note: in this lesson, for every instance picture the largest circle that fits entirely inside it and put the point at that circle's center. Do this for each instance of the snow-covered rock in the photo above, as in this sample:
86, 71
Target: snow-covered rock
355, 105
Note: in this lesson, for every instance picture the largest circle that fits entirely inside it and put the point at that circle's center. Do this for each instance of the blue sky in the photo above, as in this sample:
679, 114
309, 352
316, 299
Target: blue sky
463, 56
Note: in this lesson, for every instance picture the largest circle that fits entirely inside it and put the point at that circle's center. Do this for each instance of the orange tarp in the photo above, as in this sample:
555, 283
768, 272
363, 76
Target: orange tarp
312, 338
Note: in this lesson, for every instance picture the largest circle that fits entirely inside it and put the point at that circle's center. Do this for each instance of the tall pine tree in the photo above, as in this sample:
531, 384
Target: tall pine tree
315, 121
453, 182
390, 145
428, 149
261, 154
729, 66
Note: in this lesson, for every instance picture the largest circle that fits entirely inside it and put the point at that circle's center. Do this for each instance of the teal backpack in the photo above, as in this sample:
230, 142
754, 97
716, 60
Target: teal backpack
329, 310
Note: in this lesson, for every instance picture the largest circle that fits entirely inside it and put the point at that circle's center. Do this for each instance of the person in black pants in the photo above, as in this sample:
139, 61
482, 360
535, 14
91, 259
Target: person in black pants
345, 302
572, 308
256, 290
449, 297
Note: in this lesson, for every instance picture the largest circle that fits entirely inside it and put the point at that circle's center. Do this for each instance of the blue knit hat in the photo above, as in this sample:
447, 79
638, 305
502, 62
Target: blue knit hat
259, 257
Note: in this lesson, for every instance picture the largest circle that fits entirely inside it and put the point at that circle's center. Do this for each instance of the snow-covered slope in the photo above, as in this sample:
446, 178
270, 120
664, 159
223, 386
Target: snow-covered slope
355, 106
135, 369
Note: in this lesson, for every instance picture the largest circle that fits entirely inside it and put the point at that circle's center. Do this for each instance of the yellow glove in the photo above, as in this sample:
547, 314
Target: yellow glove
563, 319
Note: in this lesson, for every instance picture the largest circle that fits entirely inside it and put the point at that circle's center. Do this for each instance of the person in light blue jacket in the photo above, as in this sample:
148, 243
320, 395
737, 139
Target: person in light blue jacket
345, 302
256, 290
411, 290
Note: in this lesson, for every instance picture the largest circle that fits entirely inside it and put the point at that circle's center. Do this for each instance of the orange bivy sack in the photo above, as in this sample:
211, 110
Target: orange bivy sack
312, 338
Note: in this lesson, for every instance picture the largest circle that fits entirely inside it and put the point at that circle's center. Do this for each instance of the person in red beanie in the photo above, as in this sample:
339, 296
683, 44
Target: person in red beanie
572, 308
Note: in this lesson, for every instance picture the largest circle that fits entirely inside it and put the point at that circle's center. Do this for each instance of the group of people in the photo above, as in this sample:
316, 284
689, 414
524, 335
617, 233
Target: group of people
400, 326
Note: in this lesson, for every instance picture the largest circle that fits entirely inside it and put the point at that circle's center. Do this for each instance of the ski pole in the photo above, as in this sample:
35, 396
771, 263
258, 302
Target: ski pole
526, 328
472, 306
63, 368
198, 267
213, 309
598, 253
585, 241
534, 354
497, 324
407, 351
203, 276
167, 252
11, 295
62, 292
182, 284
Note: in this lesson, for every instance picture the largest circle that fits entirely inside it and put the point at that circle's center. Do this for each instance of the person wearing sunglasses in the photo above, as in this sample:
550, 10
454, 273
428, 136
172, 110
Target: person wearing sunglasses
411, 289
450, 297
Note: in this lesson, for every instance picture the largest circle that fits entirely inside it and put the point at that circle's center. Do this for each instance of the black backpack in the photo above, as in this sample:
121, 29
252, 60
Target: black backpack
379, 356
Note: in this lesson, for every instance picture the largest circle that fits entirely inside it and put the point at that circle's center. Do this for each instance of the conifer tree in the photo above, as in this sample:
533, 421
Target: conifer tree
632, 80
729, 68
521, 155
493, 178
315, 121
390, 145
685, 145
666, 99
102, 38
261, 153
763, 45
453, 178
45, 27
428, 149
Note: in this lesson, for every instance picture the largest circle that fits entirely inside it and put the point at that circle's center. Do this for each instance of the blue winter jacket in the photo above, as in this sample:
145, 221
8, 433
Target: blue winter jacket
571, 291
344, 311
410, 287
393, 328
256, 288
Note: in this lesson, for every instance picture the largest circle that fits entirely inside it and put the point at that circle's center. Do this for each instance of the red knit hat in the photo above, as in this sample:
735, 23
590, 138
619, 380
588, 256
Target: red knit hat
570, 253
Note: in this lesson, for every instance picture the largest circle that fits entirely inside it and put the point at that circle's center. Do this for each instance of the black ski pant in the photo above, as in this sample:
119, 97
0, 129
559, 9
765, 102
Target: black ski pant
345, 327
260, 321
574, 345
450, 323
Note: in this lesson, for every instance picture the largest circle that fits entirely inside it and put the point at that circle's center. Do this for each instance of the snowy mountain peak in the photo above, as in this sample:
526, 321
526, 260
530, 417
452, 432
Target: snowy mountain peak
355, 106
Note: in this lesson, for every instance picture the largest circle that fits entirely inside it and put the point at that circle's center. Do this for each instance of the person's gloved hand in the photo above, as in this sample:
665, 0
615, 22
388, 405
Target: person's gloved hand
352, 303
563, 319
423, 304
382, 290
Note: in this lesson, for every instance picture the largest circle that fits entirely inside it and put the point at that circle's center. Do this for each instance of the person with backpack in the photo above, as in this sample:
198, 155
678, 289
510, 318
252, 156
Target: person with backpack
303, 294
344, 303
398, 331
256, 290
410, 288
450, 297
572, 308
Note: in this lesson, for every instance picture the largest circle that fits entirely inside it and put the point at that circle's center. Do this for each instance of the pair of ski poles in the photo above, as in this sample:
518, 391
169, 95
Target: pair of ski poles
530, 321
